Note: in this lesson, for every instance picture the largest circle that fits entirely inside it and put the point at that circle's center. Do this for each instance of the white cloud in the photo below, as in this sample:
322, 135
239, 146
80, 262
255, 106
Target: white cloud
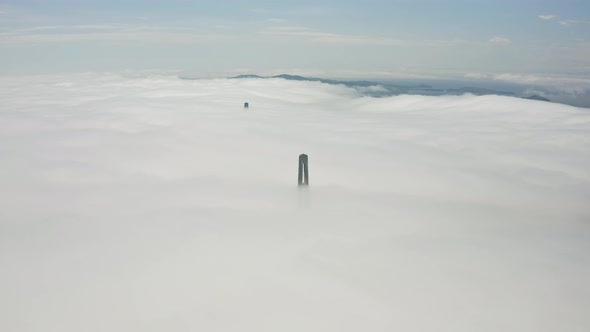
76, 33
563, 84
68, 28
277, 20
372, 89
157, 202
500, 40
567, 22
476, 76
314, 36
555, 17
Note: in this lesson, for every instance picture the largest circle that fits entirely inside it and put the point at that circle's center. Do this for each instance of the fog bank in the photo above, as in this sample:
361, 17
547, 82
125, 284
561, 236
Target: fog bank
160, 204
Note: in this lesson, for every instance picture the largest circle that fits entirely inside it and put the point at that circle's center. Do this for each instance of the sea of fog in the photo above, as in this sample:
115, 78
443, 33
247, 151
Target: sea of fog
161, 204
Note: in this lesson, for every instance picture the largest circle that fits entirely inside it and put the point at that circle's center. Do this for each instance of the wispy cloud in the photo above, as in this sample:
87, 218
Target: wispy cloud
314, 36
67, 27
298, 12
567, 22
277, 20
76, 33
559, 20
500, 40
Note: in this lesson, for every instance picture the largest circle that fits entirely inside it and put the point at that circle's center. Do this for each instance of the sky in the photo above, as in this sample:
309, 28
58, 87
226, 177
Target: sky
373, 38
153, 203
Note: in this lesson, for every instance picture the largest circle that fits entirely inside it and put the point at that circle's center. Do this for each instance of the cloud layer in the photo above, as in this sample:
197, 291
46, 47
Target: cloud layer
563, 84
155, 203
500, 40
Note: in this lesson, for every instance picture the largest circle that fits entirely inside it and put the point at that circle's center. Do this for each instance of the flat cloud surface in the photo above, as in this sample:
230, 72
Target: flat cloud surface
160, 204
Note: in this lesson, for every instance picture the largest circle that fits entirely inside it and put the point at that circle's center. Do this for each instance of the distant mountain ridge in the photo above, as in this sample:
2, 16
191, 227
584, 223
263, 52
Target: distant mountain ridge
537, 97
389, 89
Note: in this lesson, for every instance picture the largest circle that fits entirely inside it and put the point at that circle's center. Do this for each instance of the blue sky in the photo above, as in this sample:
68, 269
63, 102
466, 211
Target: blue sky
333, 38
